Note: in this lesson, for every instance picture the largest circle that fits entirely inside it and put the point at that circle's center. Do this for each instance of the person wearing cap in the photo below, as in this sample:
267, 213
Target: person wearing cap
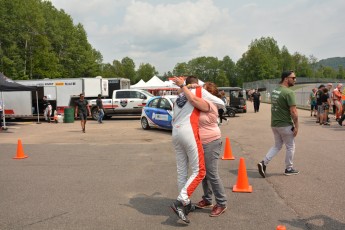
82, 109
284, 123
99, 104
320, 108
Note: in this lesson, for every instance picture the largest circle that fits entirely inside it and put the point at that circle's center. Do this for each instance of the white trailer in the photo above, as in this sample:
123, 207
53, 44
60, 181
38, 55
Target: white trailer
59, 93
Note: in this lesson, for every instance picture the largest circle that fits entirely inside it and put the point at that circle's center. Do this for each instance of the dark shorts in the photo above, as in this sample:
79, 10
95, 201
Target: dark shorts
82, 116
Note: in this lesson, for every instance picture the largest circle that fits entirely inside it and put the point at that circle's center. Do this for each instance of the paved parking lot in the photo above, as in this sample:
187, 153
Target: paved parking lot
118, 176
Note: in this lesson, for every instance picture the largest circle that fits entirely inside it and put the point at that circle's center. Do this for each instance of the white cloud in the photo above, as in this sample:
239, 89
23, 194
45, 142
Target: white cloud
164, 33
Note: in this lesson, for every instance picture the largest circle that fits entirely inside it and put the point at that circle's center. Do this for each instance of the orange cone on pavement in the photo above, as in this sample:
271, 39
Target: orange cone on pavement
227, 151
281, 227
242, 184
20, 151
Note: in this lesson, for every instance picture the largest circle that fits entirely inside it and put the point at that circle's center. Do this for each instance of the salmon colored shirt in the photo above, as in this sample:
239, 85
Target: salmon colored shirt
337, 94
208, 125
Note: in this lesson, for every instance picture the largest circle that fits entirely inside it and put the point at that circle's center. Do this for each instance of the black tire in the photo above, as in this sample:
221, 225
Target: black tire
144, 123
231, 113
94, 113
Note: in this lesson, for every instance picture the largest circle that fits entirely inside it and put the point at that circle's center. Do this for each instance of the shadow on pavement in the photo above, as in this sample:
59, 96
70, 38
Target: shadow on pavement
318, 222
155, 205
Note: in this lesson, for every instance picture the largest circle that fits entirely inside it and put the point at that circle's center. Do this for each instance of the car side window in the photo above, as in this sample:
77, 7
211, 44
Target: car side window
154, 103
122, 94
135, 94
164, 104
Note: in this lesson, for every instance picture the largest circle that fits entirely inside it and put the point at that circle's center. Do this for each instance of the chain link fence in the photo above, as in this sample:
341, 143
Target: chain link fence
302, 89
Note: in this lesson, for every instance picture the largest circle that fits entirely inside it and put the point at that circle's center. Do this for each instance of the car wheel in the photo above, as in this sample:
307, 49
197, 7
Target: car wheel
94, 113
231, 113
144, 123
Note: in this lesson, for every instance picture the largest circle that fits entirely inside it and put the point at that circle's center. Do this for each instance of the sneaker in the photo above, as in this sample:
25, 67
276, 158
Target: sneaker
326, 123
262, 169
291, 172
217, 210
204, 204
180, 211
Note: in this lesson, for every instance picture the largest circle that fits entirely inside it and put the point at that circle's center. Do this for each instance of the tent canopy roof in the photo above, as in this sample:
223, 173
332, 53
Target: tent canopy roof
6, 84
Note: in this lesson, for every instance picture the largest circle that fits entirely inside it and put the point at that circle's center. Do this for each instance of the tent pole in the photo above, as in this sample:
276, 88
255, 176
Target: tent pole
38, 111
3, 112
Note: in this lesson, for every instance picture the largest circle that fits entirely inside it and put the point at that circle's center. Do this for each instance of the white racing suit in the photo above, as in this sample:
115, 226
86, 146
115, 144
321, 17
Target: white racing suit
187, 144
48, 112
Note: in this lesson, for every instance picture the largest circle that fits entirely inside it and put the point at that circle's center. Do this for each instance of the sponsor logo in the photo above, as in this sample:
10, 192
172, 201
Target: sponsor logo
123, 103
181, 101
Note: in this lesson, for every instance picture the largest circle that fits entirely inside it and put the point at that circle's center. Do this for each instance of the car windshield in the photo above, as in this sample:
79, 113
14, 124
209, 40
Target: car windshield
173, 100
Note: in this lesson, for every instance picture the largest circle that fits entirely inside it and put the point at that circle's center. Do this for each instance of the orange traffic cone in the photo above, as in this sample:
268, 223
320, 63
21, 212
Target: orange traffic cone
242, 184
20, 151
227, 151
281, 227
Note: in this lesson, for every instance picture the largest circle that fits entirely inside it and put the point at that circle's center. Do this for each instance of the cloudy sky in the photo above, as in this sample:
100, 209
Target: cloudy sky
165, 32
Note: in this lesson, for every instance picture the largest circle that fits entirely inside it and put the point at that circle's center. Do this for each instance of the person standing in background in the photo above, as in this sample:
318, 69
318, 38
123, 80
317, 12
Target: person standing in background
47, 109
221, 110
100, 108
256, 99
337, 101
1, 112
82, 109
312, 100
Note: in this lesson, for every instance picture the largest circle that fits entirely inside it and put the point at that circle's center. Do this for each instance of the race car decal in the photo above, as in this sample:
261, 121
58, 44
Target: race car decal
161, 117
181, 100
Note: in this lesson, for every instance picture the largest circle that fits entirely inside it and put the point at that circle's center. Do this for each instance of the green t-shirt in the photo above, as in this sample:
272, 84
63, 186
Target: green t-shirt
282, 98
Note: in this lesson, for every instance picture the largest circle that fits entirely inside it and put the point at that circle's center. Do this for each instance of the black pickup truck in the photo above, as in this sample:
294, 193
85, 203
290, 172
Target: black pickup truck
236, 101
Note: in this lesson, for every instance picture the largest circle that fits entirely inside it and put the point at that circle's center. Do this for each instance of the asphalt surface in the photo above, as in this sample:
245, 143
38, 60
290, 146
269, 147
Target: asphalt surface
119, 176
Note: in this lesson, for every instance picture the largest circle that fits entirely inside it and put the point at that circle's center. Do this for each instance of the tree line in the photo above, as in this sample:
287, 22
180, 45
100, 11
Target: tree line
38, 41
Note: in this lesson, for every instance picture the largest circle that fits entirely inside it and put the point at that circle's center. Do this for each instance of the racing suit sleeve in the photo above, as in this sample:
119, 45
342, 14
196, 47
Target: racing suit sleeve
211, 98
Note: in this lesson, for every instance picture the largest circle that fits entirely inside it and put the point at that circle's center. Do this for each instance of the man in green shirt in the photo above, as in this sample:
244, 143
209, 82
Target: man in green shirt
284, 123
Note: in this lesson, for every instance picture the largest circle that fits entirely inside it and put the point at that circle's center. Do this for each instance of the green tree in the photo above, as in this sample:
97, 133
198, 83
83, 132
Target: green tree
38, 41
302, 66
261, 61
181, 69
341, 72
146, 72
119, 72
286, 60
229, 69
128, 67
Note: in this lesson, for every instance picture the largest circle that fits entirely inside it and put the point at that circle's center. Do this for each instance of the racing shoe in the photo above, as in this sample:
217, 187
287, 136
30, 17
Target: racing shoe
190, 208
180, 211
262, 169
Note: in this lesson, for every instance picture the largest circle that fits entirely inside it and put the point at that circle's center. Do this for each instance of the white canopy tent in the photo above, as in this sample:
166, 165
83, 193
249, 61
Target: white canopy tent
155, 82
140, 85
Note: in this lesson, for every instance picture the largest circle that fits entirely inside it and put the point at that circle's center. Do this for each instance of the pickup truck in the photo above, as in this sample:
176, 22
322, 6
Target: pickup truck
124, 102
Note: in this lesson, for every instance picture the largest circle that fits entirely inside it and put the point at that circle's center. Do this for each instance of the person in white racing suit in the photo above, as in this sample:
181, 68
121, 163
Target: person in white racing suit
47, 109
186, 141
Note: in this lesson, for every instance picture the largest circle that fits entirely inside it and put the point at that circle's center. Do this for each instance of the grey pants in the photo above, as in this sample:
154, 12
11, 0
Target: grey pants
212, 180
282, 135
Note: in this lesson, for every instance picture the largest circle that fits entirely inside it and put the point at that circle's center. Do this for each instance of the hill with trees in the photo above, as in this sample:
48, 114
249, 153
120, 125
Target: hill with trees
333, 62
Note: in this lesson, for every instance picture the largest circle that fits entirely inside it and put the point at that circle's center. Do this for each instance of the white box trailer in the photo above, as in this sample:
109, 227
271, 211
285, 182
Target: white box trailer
59, 93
